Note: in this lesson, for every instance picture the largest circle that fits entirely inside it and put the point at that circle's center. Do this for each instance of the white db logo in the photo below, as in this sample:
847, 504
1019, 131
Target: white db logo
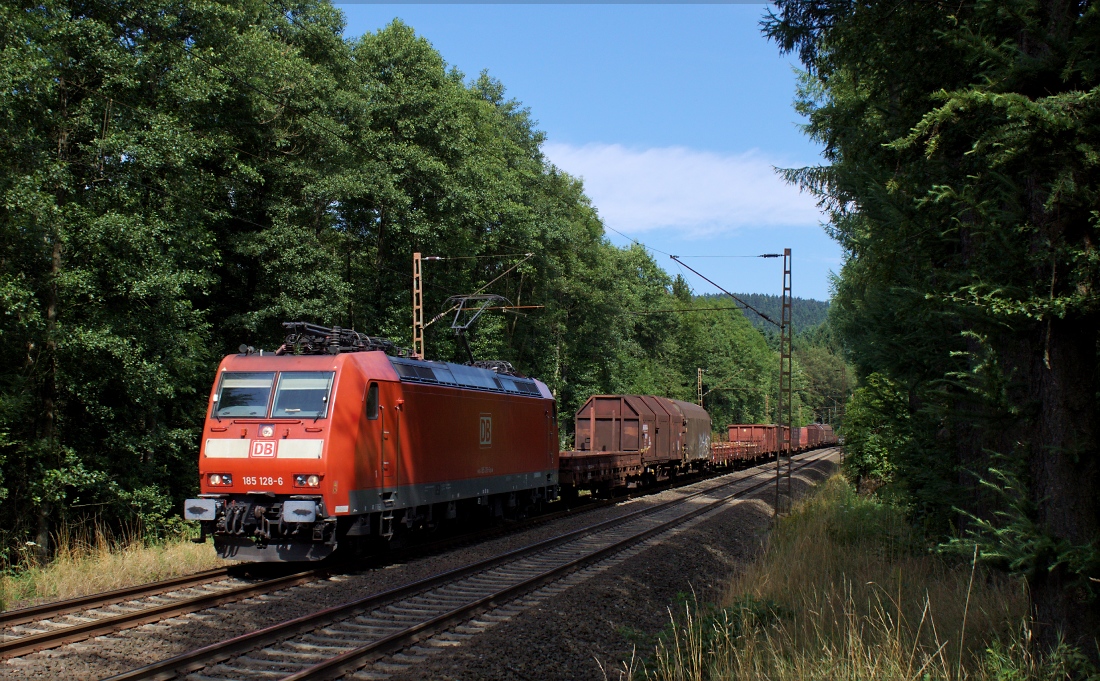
486, 430
263, 450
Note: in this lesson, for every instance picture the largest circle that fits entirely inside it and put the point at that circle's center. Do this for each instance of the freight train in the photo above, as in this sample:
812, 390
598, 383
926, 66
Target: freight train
341, 438
632, 440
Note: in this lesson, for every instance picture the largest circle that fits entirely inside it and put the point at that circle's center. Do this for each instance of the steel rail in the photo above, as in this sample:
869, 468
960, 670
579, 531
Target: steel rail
12, 618
199, 658
51, 639
475, 536
68, 634
354, 659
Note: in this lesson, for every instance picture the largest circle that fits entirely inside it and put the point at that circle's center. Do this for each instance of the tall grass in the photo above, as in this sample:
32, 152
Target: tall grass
847, 590
94, 560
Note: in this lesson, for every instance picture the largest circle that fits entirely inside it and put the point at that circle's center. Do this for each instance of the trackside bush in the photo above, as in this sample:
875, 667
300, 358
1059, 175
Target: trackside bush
847, 589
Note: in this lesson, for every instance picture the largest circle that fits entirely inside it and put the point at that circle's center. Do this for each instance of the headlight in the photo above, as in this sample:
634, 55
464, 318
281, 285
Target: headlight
307, 480
267, 431
220, 479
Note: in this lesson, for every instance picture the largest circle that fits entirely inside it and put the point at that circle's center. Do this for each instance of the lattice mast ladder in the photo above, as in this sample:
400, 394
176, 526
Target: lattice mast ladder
418, 311
783, 497
699, 387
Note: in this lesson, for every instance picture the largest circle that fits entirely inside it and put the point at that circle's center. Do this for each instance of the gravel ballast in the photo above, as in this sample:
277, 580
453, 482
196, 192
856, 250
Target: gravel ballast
593, 628
620, 606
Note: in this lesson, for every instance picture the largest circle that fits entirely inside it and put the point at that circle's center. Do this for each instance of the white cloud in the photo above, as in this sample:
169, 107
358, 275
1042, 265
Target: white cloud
693, 192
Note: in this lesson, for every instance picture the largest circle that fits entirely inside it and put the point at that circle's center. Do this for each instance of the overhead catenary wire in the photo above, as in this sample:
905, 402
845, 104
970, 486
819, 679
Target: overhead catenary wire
409, 276
683, 273
451, 309
472, 257
762, 255
657, 250
311, 29
721, 386
527, 257
750, 307
191, 53
684, 309
322, 127
514, 307
335, 134
282, 103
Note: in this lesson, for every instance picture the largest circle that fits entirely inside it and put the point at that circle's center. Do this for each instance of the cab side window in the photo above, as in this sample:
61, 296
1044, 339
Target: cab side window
372, 402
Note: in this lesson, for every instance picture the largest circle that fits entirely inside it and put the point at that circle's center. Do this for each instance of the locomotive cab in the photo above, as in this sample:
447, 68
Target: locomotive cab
340, 440
262, 463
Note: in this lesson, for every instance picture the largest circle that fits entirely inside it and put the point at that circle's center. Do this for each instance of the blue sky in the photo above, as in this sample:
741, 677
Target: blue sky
673, 115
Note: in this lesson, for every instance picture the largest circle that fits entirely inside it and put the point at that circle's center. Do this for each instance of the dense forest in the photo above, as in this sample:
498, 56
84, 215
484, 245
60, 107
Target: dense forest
806, 313
823, 377
962, 179
180, 178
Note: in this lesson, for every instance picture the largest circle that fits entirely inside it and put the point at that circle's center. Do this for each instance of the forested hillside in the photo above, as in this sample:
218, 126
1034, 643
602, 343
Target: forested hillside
806, 313
962, 180
178, 179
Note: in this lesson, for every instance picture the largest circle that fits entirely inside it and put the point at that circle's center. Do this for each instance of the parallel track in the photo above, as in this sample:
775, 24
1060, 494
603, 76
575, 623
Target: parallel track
575, 507
62, 622
91, 623
330, 642
11, 618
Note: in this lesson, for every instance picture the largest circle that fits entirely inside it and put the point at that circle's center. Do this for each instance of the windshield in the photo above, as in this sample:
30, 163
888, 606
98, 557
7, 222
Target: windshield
302, 394
244, 394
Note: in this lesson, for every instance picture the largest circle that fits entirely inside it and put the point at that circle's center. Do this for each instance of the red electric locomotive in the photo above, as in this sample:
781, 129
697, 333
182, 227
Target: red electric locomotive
331, 438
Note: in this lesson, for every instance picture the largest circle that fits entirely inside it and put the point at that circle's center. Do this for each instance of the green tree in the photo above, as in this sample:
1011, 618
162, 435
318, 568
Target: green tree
179, 178
877, 427
962, 183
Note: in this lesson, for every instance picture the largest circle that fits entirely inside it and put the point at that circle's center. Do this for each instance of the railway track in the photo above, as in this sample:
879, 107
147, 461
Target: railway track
50, 625
11, 618
339, 640
54, 624
582, 505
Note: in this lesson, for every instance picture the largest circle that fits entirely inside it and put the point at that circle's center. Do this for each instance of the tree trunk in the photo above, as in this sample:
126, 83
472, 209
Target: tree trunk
49, 387
1065, 474
379, 260
42, 536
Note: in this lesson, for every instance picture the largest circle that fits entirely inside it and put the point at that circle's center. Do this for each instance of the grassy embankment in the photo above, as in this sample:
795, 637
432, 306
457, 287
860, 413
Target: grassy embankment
847, 590
90, 564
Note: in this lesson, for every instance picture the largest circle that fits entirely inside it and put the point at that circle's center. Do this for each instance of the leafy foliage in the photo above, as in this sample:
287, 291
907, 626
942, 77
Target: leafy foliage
962, 182
806, 313
179, 178
875, 428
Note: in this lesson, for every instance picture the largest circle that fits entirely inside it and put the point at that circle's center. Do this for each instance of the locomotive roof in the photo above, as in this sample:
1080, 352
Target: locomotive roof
464, 376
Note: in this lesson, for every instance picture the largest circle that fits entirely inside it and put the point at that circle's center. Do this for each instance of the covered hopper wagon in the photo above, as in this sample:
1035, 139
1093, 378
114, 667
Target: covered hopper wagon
623, 440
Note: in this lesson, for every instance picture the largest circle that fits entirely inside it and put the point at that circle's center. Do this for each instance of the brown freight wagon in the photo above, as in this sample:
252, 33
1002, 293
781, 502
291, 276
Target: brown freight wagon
816, 434
624, 439
759, 440
794, 435
697, 433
